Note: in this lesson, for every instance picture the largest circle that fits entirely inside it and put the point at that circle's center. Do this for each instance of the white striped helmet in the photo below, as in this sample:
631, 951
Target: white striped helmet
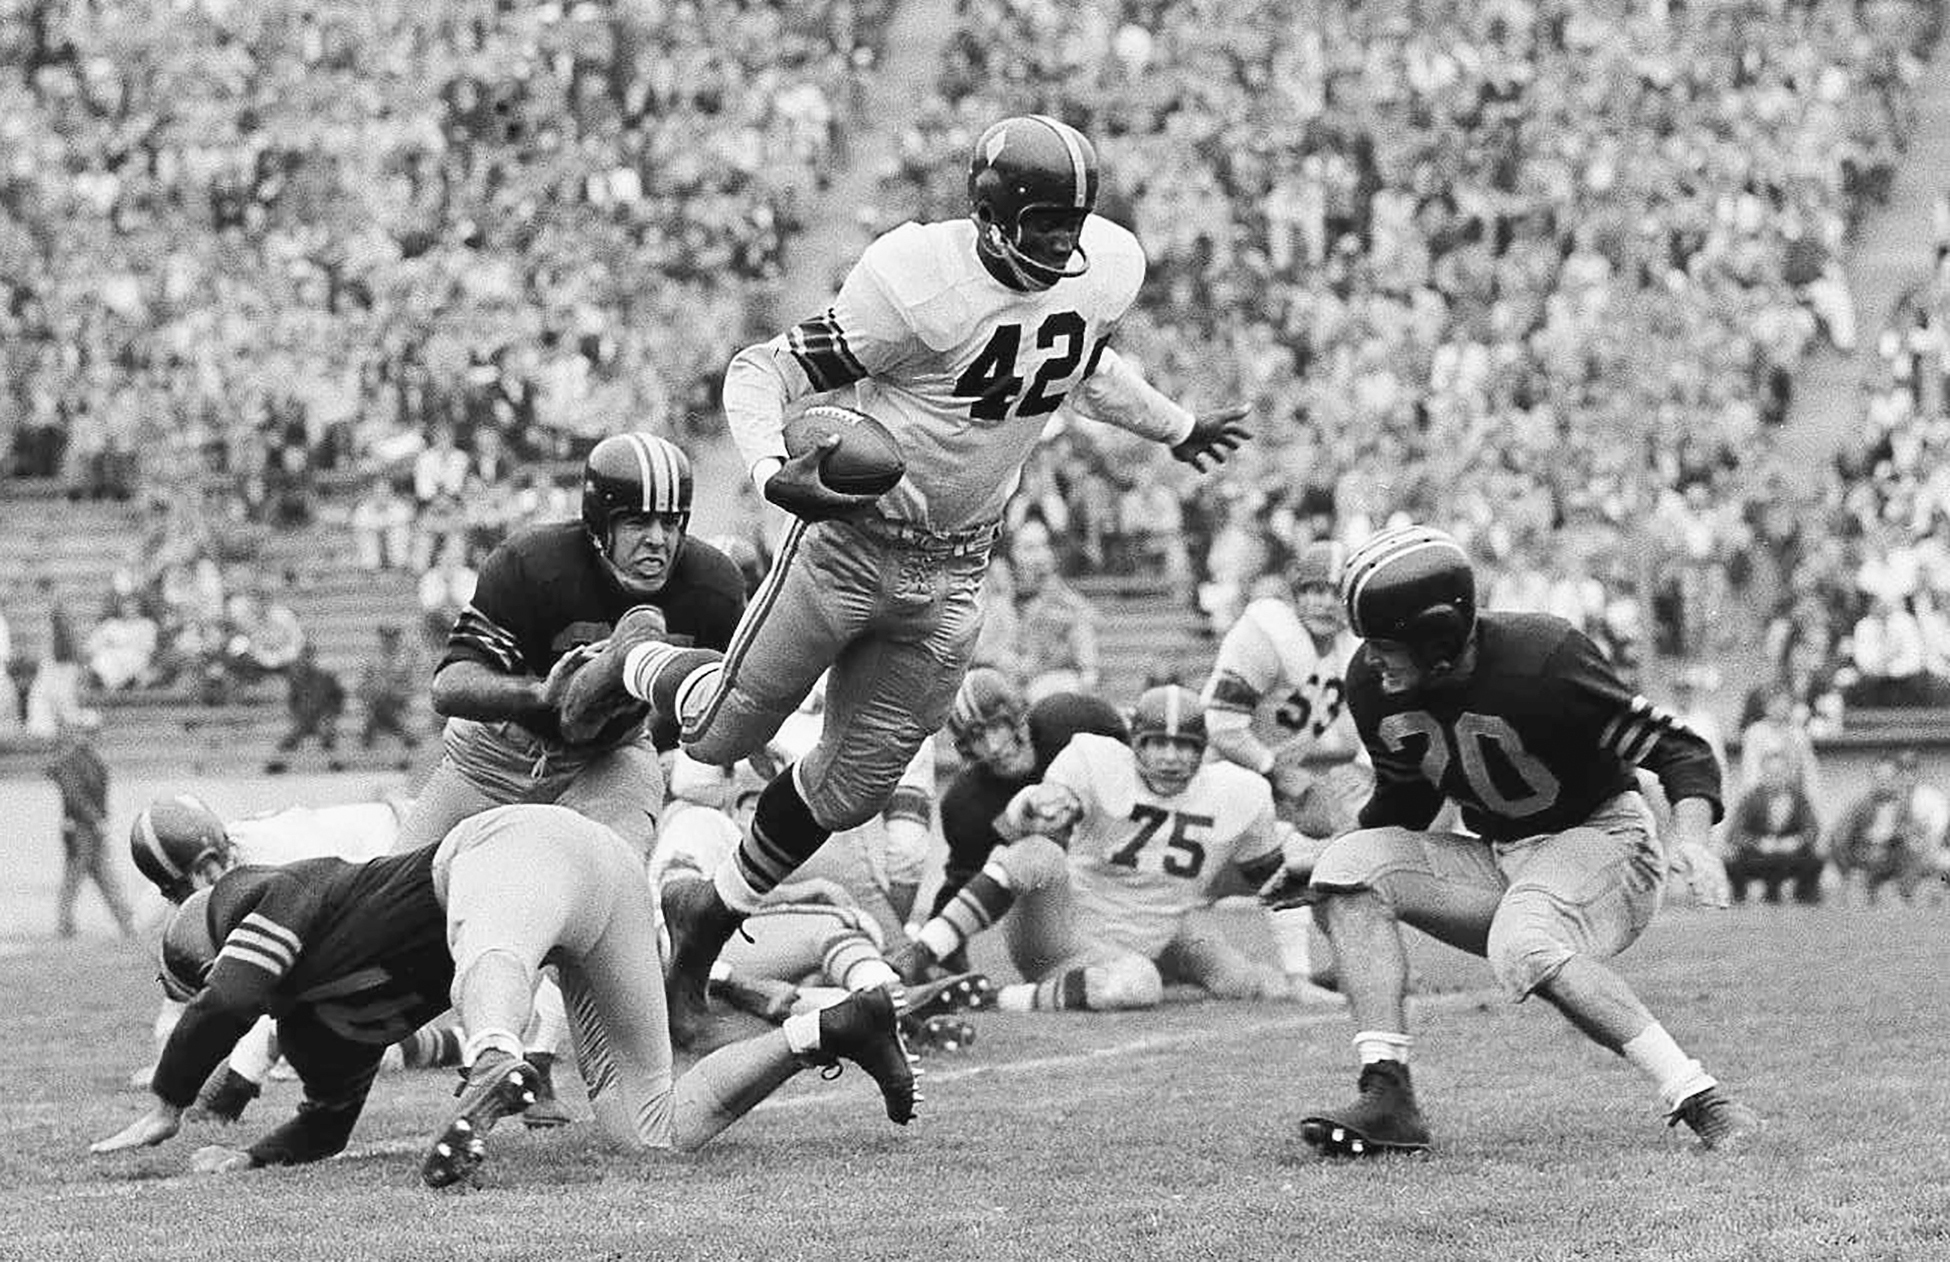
633, 473
1029, 163
1167, 712
173, 838
1412, 585
188, 949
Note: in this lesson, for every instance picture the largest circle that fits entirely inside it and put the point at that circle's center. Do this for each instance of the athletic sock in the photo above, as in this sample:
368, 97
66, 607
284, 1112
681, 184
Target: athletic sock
1374, 1045
1677, 1076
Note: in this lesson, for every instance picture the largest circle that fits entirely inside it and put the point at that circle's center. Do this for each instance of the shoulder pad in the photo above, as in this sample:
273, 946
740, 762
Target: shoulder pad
920, 268
1116, 263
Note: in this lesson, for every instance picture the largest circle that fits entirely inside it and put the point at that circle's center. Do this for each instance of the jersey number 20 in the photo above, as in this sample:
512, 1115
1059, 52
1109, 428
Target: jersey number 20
992, 381
1470, 736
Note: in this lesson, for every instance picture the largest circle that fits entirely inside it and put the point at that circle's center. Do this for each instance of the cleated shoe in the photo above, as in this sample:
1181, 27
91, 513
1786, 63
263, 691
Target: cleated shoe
863, 1028
956, 992
699, 925
936, 1033
498, 1085
1722, 1123
595, 694
548, 1111
1383, 1119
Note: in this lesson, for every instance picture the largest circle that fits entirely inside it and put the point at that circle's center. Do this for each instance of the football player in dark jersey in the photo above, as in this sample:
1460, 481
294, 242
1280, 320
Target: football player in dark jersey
1519, 720
546, 595
350, 957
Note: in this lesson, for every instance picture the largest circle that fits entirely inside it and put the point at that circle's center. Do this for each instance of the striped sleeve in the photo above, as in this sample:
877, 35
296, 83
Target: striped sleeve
1633, 730
487, 629
479, 638
1245, 669
826, 357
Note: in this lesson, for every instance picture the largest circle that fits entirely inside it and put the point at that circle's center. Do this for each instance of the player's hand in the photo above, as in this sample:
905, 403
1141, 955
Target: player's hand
152, 1128
1290, 779
1215, 435
798, 487
564, 670
1050, 809
216, 1159
1705, 875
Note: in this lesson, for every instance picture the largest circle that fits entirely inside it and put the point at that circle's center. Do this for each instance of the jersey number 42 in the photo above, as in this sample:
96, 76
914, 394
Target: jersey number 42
992, 381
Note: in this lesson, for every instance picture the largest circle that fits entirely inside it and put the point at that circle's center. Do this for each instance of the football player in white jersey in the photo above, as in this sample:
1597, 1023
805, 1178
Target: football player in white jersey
181, 846
963, 338
1150, 830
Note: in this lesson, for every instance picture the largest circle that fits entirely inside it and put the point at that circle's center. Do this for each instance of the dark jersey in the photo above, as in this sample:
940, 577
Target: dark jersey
977, 795
355, 950
545, 591
1540, 735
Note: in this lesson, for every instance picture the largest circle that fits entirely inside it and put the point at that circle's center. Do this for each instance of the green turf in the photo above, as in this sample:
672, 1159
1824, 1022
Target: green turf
1159, 1135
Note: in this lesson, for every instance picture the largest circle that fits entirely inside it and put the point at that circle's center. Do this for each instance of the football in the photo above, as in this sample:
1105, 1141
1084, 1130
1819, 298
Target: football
868, 460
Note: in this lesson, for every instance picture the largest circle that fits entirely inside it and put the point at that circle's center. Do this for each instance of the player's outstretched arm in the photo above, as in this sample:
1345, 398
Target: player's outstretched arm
1215, 435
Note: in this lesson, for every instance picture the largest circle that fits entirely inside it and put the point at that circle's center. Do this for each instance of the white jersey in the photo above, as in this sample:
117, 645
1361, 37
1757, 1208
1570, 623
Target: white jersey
963, 370
692, 840
1269, 668
1139, 861
354, 831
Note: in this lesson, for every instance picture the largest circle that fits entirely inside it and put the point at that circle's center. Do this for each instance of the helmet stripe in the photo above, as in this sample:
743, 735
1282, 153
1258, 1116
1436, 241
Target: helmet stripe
1382, 551
145, 828
1079, 170
646, 479
665, 500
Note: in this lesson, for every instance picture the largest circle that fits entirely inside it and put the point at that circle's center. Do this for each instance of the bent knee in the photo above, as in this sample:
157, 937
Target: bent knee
1355, 861
1525, 955
1034, 863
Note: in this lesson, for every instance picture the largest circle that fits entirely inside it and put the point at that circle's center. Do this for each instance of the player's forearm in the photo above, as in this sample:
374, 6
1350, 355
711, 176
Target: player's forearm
1117, 395
761, 381
196, 1046
1236, 743
473, 690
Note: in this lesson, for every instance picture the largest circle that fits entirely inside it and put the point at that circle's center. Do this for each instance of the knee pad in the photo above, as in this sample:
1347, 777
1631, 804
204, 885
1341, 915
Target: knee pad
1034, 863
1525, 949
1123, 984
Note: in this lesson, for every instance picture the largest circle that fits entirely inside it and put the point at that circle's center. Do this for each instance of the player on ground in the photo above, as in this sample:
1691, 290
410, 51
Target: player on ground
1519, 720
351, 957
1149, 829
180, 845
1276, 705
962, 338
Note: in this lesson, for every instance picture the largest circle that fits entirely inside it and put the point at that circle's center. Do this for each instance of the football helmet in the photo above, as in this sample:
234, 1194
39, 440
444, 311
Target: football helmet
1317, 586
635, 475
1414, 586
178, 843
989, 722
188, 949
1025, 165
1168, 738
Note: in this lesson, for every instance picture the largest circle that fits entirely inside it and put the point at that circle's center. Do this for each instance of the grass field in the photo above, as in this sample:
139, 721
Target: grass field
1160, 1135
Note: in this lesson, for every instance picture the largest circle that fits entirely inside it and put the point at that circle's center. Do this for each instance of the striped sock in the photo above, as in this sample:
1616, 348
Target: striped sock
984, 900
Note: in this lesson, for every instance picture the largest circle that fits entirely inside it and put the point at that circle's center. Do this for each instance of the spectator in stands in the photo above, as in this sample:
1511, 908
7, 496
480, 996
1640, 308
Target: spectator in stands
81, 778
1893, 833
9, 688
1773, 836
1781, 729
445, 590
1151, 530
1889, 657
382, 527
54, 702
439, 480
388, 682
1057, 626
263, 638
121, 646
315, 701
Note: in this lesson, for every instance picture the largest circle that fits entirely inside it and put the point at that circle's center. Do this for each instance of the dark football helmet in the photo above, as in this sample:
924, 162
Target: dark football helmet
1022, 166
1412, 585
634, 475
989, 722
178, 843
1168, 737
188, 949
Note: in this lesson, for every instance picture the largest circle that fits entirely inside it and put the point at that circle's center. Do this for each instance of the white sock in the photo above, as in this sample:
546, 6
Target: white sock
1374, 1045
939, 937
1291, 927
640, 667
733, 888
1677, 1076
801, 1032
870, 973
1016, 997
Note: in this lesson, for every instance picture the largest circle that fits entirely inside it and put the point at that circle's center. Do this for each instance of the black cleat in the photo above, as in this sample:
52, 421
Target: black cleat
595, 694
1383, 1119
699, 925
1722, 1123
954, 992
548, 1110
938, 1033
863, 1028
498, 1085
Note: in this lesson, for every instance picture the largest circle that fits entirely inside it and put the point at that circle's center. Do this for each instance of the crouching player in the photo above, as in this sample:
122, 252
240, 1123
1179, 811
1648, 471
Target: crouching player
1149, 830
1519, 720
351, 957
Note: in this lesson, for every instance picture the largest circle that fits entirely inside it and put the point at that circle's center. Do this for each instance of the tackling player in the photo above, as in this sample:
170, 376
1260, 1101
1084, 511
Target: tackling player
352, 956
1149, 830
962, 338
1519, 720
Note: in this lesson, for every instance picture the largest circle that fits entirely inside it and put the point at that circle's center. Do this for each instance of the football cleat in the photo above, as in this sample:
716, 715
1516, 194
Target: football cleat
699, 925
1721, 1122
595, 694
1383, 1118
548, 1111
863, 1028
498, 1085
955, 992
937, 1033
914, 963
